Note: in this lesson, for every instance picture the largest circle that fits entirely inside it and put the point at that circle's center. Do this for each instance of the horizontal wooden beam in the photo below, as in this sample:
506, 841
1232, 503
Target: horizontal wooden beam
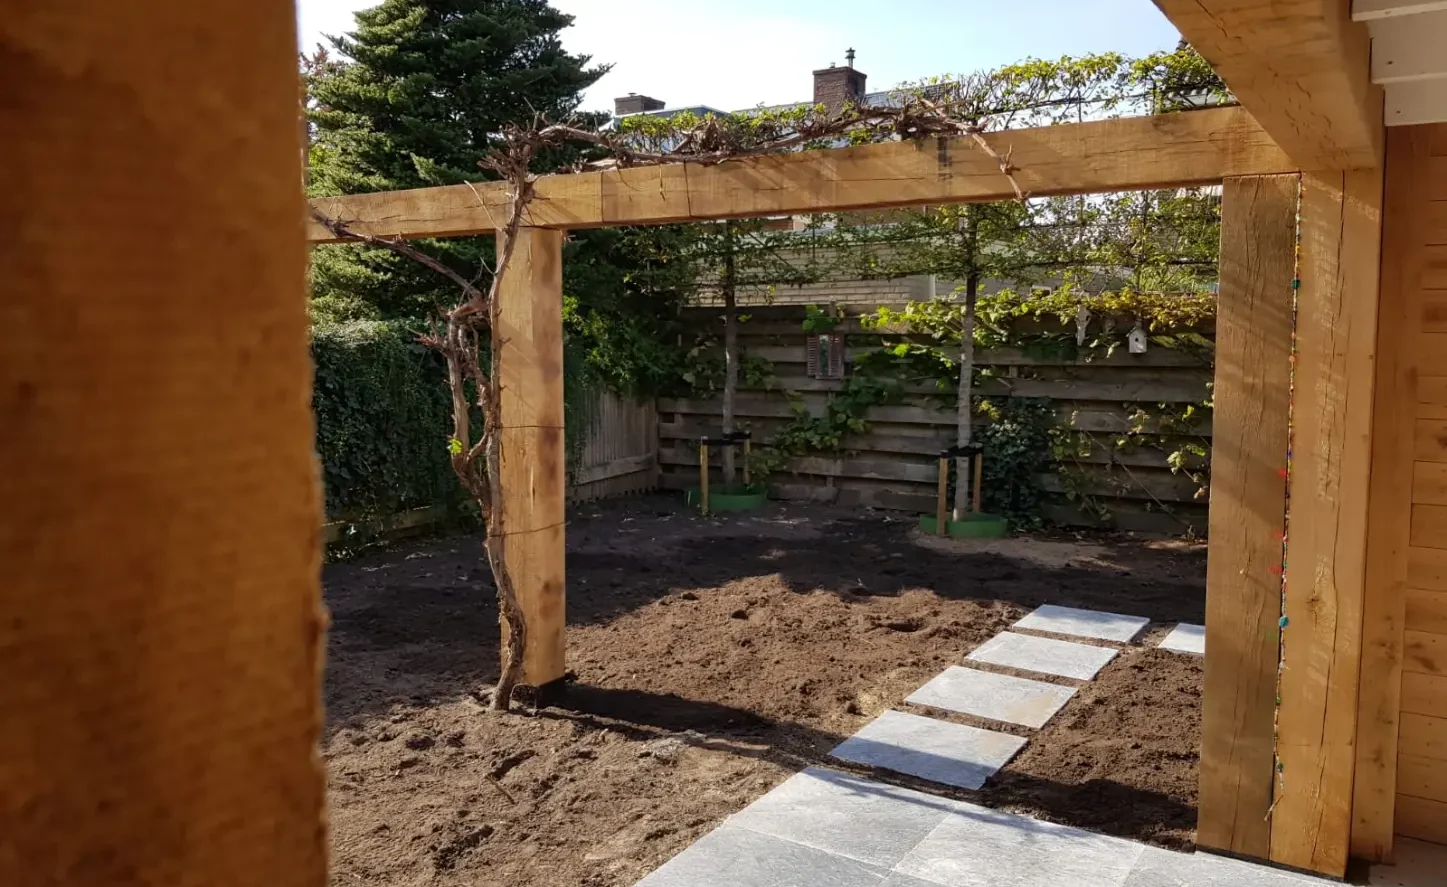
1376, 10
1301, 66
1171, 150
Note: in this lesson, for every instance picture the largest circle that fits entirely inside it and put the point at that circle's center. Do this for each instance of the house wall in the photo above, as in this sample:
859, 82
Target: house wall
1402, 738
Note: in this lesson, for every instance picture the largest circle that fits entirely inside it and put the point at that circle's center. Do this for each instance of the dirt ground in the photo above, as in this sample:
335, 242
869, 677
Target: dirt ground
713, 659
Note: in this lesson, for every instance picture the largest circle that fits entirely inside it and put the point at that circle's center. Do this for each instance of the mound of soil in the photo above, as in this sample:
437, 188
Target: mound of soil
713, 658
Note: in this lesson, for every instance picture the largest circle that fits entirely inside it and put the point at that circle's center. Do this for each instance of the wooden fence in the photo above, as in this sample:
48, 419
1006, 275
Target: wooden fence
618, 452
894, 463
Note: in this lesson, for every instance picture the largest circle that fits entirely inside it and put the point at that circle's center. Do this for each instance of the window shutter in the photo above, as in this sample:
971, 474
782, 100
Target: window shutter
836, 355
811, 355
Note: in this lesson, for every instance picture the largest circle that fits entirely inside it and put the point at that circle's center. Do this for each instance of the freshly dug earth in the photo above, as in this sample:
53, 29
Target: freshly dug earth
713, 659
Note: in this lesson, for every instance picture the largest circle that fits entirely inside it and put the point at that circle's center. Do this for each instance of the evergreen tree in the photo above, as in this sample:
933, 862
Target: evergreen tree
419, 93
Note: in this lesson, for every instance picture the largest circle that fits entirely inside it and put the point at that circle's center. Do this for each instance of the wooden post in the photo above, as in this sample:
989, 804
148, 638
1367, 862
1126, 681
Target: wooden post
534, 471
748, 450
1248, 511
941, 506
979, 476
1331, 463
1406, 229
703, 478
161, 548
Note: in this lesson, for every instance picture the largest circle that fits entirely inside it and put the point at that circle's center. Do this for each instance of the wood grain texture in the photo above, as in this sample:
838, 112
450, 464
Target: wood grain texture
1425, 652
1301, 66
161, 550
1248, 513
1424, 736
1395, 482
534, 470
1423, 778
1427, 568
1427, 611
1326, 553
1174, 149
1421, 818
1429, 526
1424, 694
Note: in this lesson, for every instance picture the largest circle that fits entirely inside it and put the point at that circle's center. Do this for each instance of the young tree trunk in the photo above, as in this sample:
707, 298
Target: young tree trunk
964, 411
729, 285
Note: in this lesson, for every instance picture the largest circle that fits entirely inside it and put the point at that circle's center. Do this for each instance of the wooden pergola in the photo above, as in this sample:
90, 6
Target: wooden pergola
164, 634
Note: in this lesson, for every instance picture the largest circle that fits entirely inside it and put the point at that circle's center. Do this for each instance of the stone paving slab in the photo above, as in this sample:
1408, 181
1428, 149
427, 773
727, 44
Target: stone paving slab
1162, 868
978, 847
1085, 623
950, 754
1186, 638
998, 697
845, 814
739, 857
1029, 653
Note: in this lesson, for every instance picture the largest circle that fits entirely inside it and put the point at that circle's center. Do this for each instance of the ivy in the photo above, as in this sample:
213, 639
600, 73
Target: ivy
1017, 443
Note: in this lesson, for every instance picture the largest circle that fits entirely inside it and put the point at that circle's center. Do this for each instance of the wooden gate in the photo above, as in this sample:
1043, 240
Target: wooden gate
619, 449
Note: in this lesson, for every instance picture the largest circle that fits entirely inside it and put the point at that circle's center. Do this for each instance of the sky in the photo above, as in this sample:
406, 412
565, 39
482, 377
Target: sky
735, 54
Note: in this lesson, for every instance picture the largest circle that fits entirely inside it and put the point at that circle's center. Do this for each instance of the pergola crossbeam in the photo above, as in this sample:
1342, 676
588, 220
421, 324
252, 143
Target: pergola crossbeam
1173, 150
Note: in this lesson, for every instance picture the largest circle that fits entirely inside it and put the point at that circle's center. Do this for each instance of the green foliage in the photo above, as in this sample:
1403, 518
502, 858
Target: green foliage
383, 421
415, 96
1017, 445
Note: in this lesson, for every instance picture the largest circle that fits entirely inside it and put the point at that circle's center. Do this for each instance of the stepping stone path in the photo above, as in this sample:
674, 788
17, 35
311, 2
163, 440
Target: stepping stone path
950, 754
994, 696
1029, 653
826, 829
1186, 638
1084, 623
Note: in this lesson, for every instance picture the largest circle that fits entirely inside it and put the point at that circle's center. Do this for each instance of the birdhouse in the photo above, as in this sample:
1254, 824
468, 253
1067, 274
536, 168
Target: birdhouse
1137, 340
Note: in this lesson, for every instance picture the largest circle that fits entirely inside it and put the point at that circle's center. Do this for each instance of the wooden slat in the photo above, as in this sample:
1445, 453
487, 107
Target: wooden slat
1392, 488
1409, 48
1437, 179
1426, 610
1425, 652
1248, 514
1302, 67
616, 468
1432, 390
1429, 526
1424, 736
1430, 440
1427, 568
534, 469
1434, 275
1424, 694
1369, 10
1434, 311
1146, 152
1331, 456
1423, 778
1429, 483
162, 642
1422, 819
1437, 223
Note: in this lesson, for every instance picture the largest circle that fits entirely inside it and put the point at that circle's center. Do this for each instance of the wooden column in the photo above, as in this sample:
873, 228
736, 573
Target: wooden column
162, 634
534, 471
1404, 230
1248, 511
1326, 555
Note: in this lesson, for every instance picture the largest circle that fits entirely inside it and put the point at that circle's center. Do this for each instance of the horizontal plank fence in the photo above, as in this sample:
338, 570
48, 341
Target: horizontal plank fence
894, 463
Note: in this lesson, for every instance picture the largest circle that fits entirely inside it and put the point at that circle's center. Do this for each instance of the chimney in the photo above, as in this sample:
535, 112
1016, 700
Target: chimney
633, 103
836, 87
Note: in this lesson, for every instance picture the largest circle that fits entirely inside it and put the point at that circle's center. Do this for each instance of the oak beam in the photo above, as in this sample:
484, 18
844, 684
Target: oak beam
1303, 67
160, 551
1327, 528
1248, 512
1190, 148
534, 470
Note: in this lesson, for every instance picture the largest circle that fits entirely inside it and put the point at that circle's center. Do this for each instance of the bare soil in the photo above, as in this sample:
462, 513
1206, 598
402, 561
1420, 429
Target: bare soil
713, 659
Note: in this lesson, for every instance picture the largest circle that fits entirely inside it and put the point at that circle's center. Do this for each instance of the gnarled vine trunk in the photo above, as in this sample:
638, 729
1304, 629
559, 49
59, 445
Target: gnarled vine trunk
729, 284
964, 404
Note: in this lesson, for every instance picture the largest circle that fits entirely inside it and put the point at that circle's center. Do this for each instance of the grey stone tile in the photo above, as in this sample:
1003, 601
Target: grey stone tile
738, 857
1043, 655
1186, 638
845, 814
1419, 864
951, 754
977, 847
1084, 623
1162, 868
995, 696
896, 879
